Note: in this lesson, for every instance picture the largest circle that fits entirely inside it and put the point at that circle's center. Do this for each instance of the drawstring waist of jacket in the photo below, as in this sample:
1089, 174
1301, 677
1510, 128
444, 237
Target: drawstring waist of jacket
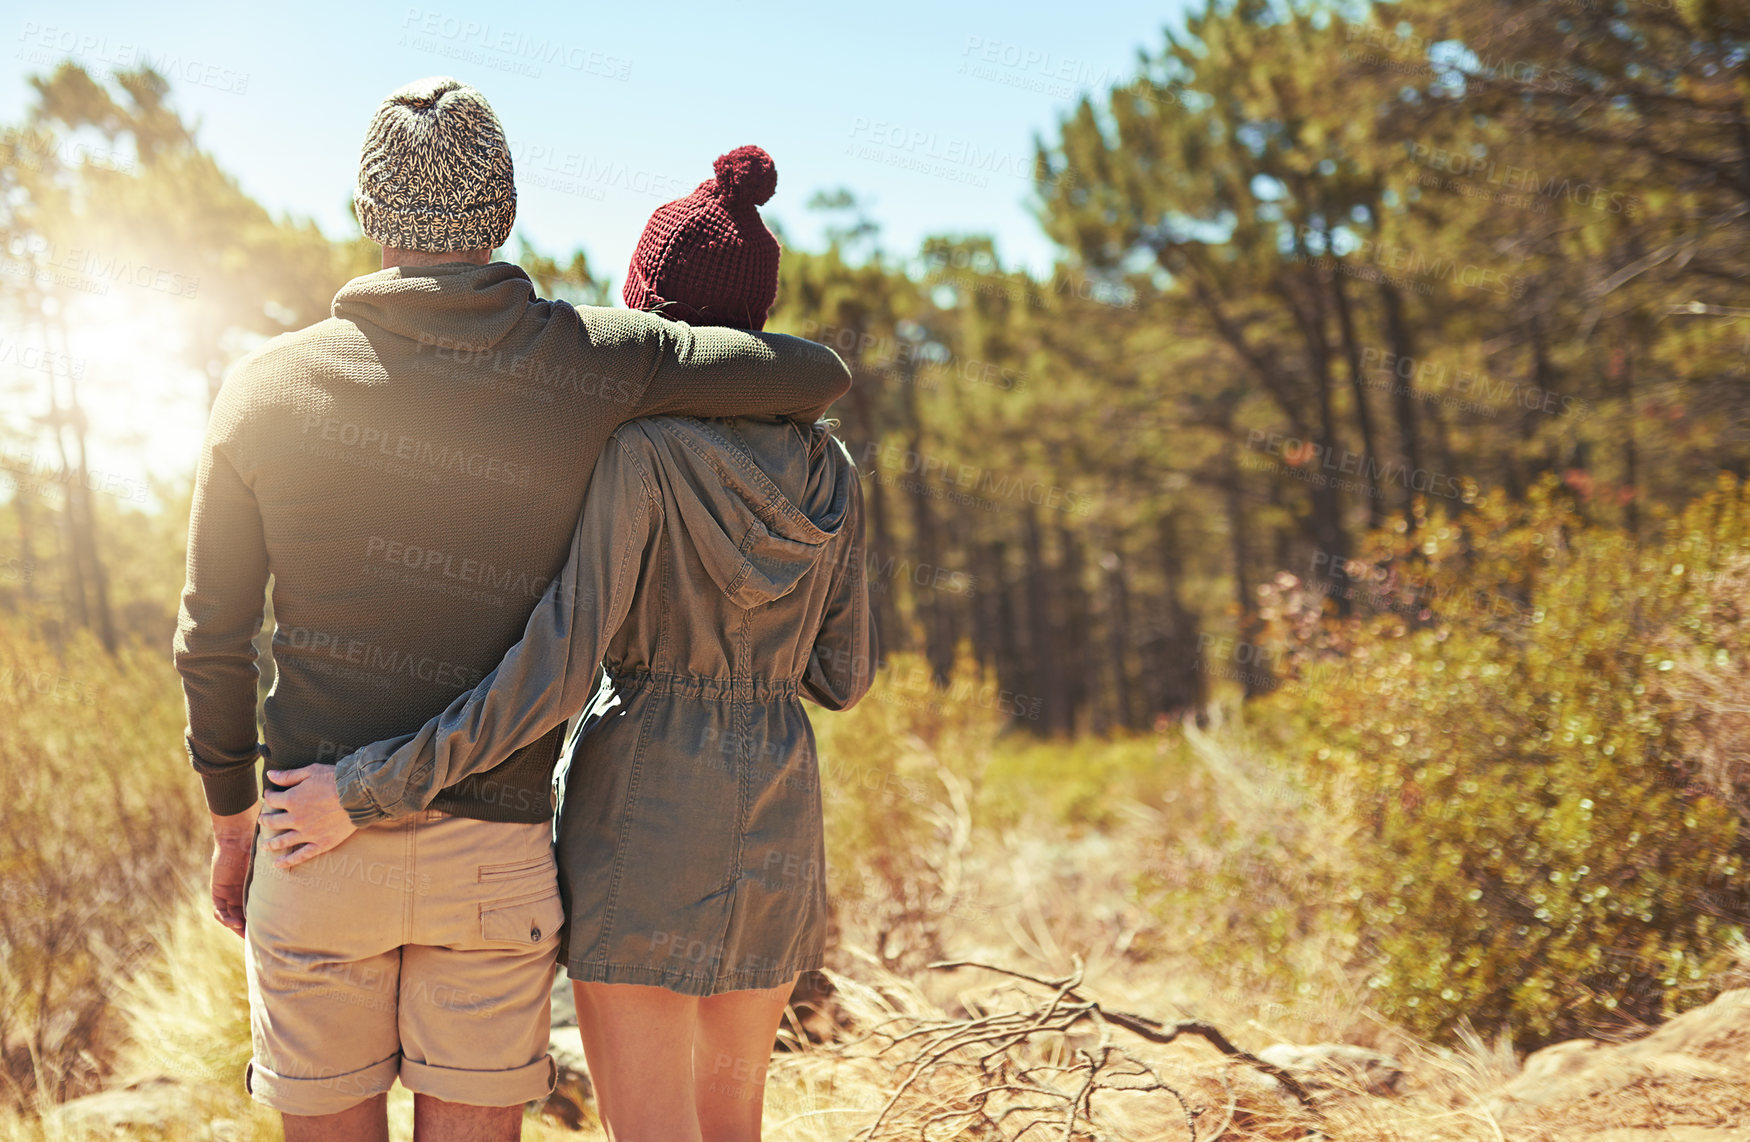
706, 689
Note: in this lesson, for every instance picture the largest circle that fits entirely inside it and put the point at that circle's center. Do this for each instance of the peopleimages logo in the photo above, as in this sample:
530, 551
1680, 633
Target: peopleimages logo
970, 484
882, 572
578, 172
520, 373
405, 450
1426, 379
1321, 464
33, 149
928, 361
895, 683
459, 577
949, 151
36, 359
1524, 180
1032, 68
476, 41
1397, 588
47, 43
1428, 56
373, 658
37, 473
1385, 256
92, 271
46, 684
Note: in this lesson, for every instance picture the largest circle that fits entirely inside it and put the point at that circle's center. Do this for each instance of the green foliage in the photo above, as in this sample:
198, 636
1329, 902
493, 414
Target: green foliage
1530, 840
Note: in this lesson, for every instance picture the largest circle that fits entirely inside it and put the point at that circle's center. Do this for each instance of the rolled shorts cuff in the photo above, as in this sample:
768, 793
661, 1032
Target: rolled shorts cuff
511, 1087
329, 1094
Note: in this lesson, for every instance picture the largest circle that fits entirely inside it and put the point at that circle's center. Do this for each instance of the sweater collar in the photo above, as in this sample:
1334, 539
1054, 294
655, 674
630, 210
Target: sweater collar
457, 305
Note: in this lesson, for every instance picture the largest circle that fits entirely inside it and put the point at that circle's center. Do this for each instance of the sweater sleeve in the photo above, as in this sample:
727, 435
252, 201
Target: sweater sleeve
214, 648
543, 679
841, 667
713, 371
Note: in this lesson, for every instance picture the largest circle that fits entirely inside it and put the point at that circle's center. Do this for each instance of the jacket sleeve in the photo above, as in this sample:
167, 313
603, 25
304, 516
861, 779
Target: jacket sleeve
841, 667
543, 679
711, 371
220, 615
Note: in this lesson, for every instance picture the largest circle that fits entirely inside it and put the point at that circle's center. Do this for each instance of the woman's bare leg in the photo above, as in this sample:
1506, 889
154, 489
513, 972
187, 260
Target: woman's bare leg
639, 1044
731, 1048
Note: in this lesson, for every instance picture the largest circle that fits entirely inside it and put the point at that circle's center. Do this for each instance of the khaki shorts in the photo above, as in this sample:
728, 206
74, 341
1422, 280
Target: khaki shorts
420, 949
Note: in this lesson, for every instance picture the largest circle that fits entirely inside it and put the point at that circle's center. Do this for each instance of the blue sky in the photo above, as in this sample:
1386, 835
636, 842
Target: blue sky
926, 110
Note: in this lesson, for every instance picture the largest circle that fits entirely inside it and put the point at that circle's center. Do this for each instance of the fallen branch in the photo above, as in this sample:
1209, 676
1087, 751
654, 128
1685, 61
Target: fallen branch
1151, 1029
963, 1074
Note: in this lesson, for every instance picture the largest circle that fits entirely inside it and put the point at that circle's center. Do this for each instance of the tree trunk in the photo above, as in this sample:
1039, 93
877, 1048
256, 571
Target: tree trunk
27, 546
1249, 623
1397, 331
1042, 652
1016, 670
1073, 633
984, 601
1182, 678
878, 533
1358, 384
926, 602
1543, 378
1118, 637
1328, 528
85, 519
927, 606
77, 603
1622, 371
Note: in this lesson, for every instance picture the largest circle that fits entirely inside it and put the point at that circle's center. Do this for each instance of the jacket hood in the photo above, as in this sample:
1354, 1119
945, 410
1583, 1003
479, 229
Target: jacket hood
759, 499
457, 305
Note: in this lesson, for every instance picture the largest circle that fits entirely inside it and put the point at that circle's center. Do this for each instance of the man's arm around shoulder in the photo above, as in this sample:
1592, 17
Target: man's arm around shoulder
714, 371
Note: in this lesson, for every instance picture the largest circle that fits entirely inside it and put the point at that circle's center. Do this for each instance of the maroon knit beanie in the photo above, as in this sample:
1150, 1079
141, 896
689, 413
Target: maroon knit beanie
708, 259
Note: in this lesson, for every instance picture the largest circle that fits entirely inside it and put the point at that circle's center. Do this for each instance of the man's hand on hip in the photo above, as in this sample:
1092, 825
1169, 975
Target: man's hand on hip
233, 849
305, 819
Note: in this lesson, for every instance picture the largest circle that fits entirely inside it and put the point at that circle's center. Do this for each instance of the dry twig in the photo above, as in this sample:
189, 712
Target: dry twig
1006, 1089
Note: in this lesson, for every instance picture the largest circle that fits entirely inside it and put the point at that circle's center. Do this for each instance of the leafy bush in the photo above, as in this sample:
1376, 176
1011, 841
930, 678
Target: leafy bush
1536, 841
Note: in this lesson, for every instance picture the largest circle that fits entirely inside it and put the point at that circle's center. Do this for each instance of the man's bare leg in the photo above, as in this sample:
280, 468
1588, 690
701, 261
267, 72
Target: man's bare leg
731, 1048
435, 1120
639, 1044
366, 1122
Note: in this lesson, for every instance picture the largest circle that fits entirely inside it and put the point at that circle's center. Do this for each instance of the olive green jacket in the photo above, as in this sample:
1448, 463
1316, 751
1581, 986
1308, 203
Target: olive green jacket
718, 569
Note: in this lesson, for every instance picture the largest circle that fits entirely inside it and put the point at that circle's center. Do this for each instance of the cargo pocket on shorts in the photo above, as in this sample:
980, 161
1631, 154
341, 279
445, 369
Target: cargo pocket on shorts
529, 920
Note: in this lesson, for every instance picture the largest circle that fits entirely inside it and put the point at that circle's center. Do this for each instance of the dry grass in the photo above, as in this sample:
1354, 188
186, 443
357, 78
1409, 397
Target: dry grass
97, 813
948, 843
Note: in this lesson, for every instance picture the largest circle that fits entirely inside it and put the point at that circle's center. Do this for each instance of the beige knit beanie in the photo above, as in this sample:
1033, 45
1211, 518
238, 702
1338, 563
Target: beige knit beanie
435, 172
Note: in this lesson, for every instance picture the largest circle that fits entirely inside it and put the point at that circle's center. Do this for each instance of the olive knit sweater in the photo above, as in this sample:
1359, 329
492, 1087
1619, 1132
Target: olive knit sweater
410, 472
